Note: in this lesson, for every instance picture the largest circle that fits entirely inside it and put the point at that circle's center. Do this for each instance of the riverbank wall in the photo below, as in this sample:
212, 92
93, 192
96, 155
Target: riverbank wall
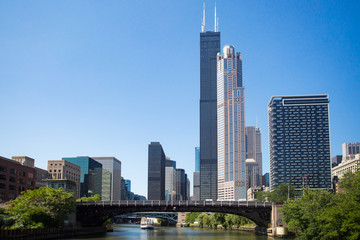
49, 233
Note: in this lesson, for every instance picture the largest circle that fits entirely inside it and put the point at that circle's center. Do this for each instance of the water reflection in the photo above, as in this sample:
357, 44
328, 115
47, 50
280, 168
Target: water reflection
132, 232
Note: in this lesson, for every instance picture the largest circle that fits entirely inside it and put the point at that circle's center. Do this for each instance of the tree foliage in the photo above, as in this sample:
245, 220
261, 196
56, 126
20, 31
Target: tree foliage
94, 198
191, 217
279, 194
322, 215
215, 219
43, 207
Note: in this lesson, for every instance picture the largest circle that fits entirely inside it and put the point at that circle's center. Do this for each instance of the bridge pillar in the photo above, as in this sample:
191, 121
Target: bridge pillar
278, 227
181, 218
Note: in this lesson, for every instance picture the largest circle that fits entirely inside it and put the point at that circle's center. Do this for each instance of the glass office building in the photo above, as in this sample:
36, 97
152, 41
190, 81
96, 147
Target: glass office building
230, 126
253, 150
113, 165
156, 172
299, 139
209, 47
90, 175
170, 179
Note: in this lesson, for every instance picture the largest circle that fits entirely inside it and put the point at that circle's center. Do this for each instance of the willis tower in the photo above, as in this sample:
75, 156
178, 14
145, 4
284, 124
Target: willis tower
209, 47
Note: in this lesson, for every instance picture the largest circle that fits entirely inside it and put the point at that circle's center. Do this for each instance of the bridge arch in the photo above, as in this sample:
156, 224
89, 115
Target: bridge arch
96, 213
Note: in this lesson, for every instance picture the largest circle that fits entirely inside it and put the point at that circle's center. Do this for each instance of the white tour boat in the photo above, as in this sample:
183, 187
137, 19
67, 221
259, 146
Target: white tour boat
146, 223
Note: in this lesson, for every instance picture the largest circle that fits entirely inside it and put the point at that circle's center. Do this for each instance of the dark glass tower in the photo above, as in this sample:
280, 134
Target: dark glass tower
91, 175
156, 172
299, 139
209, 47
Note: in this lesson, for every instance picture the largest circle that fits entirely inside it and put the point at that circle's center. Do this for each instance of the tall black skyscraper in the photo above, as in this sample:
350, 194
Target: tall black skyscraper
209, 47
156, 172
299, 139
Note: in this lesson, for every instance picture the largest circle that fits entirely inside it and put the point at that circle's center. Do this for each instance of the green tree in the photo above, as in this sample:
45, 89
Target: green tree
217, 219
305, 214
282, 193
262, 196
94, 198
191, 217
321, 215
43, 207
201, 219
229, 219
279, 194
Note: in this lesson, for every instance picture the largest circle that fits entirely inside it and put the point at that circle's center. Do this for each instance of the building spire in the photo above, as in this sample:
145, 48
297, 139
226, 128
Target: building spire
216, 20
203, 20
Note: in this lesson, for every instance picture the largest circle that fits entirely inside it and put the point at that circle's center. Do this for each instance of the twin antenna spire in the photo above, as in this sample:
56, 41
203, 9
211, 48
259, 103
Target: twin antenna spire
216, 27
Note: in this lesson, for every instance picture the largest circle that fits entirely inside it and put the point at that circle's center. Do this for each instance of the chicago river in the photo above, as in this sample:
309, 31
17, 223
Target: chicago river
133, 231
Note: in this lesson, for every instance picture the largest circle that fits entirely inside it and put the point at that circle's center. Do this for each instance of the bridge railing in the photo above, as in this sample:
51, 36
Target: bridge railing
163, 203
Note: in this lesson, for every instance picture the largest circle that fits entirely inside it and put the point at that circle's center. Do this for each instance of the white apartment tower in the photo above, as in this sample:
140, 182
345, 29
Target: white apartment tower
230, 126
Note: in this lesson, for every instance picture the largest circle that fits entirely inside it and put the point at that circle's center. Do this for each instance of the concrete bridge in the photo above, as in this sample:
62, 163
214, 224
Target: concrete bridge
96, 213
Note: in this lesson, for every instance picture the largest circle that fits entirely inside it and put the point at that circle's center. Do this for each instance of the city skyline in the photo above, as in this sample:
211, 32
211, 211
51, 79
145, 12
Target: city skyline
68, 72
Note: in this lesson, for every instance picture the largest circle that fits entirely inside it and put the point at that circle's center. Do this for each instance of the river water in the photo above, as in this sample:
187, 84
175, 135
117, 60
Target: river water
133, 232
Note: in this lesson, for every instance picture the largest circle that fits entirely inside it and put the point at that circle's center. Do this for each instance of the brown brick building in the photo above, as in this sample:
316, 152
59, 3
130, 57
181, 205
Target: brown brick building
14, 178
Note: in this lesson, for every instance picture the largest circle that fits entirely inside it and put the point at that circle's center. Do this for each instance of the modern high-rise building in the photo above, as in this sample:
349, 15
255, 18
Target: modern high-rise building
197, 159
196, 176
252, 175
266, 180
106, 185
209, 47
170, 180
90, 175
336, 160
181, 184
128, 185
112, 165
253, 149
196, 186
156, 172
299, 139
231, 126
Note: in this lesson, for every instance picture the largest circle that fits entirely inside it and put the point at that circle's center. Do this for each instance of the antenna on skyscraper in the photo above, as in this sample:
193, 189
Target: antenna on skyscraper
203, 22
216, 20
256, 122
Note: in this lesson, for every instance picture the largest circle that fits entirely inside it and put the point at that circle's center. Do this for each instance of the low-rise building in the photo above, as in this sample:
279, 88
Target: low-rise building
347, 165
14, 179
252, 191
24, 160
65, 184
64, 170
41, 175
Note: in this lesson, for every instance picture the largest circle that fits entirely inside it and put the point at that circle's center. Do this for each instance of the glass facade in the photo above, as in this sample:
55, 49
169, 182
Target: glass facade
253, 151
299, 139
128, 185
209, 47
197, 159
90, 175
230, 126
170, 180
181, 184
156, 172
113, 165
106, 185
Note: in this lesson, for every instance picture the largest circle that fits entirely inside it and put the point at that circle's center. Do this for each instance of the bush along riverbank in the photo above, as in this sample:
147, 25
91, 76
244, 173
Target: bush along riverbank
218, 221
49, 233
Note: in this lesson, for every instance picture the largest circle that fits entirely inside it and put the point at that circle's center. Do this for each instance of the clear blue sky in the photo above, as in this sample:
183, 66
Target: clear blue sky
105, 78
